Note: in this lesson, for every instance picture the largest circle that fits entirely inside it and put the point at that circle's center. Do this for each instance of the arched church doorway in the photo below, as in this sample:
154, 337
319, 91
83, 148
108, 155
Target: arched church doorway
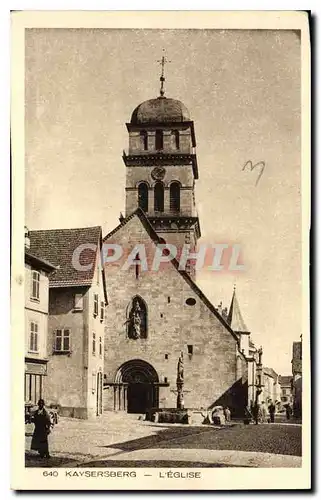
138, 386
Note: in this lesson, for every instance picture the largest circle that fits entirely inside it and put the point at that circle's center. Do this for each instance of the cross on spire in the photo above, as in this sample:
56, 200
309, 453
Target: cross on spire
162, 62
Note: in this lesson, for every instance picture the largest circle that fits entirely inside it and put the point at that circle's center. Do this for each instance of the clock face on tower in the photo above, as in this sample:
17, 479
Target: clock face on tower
158, 173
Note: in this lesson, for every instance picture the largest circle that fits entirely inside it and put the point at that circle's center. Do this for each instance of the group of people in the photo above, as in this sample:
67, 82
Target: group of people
260, 413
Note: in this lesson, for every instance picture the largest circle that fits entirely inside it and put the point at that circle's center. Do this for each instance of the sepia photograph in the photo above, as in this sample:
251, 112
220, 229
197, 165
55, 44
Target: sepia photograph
160, 251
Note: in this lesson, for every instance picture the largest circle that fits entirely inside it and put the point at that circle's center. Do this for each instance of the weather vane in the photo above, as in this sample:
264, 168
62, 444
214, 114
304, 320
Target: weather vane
162, 62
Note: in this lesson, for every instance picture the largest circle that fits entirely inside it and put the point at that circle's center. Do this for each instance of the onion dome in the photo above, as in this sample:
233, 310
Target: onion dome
160, 110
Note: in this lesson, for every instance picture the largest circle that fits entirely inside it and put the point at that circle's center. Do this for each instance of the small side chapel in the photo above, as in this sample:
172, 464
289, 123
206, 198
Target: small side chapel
154, 316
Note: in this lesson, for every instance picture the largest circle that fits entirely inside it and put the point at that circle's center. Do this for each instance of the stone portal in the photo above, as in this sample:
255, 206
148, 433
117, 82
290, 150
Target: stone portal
136, 387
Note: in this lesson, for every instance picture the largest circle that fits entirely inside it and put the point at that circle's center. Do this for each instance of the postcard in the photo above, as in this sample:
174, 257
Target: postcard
160, 250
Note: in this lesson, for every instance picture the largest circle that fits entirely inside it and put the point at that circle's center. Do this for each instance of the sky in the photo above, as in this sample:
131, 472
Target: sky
242, 89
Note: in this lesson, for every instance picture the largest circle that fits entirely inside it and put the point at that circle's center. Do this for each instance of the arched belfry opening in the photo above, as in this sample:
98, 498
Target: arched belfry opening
175, 197
143, 196
159, 197
159, 140
136, 387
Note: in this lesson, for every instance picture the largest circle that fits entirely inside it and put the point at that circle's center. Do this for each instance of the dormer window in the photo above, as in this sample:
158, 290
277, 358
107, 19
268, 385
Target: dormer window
159, 140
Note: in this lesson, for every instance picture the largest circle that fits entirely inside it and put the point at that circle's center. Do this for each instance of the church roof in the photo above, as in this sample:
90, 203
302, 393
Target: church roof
154, 236
235, 319
58, 246
160, 110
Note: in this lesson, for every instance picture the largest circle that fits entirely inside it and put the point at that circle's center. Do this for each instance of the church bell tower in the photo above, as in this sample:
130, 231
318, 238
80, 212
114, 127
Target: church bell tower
161, 168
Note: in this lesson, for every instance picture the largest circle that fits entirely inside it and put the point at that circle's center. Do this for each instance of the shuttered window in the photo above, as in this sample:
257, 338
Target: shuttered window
35, 285
33, 339
96, 300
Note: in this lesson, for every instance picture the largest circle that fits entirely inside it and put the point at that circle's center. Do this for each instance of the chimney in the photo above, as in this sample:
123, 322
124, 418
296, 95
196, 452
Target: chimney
27, 238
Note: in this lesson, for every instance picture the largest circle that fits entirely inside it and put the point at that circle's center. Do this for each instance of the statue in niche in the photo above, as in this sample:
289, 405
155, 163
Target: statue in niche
137, 320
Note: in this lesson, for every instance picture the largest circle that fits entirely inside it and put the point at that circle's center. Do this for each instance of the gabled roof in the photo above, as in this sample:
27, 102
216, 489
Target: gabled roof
270, 372
285, 380
63, 247
235, 319
157, 240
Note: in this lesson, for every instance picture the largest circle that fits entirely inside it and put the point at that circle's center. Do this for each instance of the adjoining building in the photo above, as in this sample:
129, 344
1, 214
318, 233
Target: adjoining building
248, 349
297, 378
286, 384
77, 301
271, 388
154, 316
37, 272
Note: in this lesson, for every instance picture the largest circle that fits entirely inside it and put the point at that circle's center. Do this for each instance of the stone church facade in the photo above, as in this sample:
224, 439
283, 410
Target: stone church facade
154, 316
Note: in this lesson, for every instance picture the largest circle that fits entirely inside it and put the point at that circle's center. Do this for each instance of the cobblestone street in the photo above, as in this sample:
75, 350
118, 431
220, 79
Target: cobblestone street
122, 440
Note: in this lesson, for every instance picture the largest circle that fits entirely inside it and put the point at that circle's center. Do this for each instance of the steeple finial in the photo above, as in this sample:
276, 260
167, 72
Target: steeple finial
162, 62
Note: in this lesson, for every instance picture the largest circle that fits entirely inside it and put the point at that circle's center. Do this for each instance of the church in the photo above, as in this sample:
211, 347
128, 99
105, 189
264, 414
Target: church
126, 334
157, 317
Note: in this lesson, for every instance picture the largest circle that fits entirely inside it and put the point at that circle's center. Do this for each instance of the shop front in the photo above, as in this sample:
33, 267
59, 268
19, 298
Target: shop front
35, 371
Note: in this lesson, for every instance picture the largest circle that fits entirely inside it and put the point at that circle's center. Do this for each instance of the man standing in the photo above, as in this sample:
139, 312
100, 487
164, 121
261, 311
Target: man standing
288, 412
272, 412
42, 423
256, 411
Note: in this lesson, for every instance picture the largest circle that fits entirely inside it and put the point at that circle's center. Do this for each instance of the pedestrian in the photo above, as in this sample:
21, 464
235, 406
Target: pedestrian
42, 423
263, 413
256, 412
288, 412
272, 412
227, 414
248, 415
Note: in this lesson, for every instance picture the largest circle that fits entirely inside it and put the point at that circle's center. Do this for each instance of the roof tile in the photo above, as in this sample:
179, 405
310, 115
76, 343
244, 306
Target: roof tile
59, 246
